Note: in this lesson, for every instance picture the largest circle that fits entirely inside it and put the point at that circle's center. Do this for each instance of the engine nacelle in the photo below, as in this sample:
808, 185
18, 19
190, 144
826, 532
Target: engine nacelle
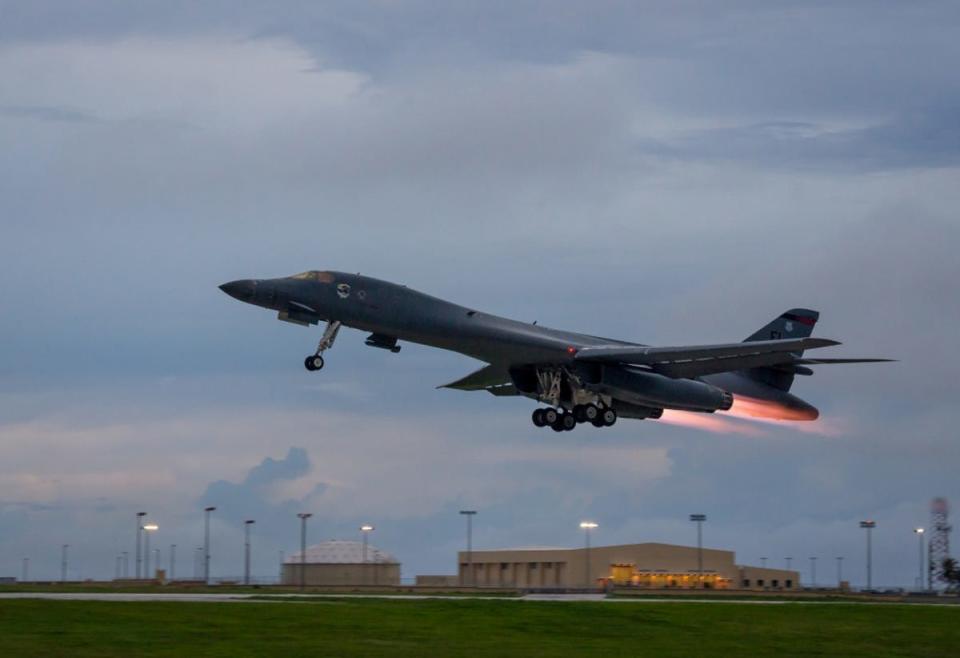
648, 389
639, 412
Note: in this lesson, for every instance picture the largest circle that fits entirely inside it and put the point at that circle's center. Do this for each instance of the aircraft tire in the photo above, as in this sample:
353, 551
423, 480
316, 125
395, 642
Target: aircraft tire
557, 426
578, 413
590, 412
313, 362
538, 418
597, 422
609, 416
568, 422
550, 416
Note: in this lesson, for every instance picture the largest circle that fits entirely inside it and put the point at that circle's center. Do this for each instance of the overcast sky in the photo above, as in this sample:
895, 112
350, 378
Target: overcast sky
662, 172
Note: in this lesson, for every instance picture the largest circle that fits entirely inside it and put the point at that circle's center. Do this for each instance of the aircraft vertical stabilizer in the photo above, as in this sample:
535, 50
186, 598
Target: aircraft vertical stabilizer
795, 323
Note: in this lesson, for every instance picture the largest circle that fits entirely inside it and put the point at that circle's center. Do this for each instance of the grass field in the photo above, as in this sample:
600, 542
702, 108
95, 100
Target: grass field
376, 627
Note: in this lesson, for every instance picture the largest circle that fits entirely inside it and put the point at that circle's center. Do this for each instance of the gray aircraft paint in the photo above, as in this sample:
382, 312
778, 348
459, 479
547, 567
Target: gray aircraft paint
637, 380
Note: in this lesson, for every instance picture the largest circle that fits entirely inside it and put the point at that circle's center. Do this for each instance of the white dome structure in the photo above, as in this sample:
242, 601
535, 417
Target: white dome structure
340, 563
340, 551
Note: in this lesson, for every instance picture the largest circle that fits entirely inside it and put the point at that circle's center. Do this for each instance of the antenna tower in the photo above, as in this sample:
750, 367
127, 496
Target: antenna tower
939, 546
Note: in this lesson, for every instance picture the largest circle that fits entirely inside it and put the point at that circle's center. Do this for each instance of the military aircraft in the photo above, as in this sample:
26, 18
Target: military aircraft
579, 378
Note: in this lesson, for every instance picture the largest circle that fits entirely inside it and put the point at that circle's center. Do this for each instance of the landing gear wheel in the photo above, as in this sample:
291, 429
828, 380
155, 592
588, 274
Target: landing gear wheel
568, 422
578, 413
557, 425
313, 362
550, 417
538, 419
597, 422
590, 412
609, 416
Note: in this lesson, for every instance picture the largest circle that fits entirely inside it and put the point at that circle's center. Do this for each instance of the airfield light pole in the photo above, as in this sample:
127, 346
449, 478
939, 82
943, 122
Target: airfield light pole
919, 533
813, 572
173, 561
470, 513
303, 548
147, 529
140, 516
206, 544
63, 563
366, 529
587, 527
246, 550
869, 526
839, 571
699, 519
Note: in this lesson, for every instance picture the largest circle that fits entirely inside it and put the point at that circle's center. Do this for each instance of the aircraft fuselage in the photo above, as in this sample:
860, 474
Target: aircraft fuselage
392, 312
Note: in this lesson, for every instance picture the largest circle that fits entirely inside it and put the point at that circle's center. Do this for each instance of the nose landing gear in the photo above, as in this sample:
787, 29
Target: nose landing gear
314, 362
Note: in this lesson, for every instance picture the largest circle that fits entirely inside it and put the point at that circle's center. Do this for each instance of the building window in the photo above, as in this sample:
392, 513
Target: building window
503, 566
746, 582
533, 565
775, 582
788, 583
759, 582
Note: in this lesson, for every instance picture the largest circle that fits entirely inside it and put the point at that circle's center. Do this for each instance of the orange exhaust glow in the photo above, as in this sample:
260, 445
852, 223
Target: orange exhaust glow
747, 417
709, 423
744, 407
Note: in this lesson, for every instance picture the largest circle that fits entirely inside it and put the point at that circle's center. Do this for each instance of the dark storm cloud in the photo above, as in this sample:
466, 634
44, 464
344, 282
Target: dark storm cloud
923, 139
47, 113
250, 498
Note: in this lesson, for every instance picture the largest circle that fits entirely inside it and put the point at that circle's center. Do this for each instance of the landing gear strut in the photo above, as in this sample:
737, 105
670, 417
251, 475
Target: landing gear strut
315, 361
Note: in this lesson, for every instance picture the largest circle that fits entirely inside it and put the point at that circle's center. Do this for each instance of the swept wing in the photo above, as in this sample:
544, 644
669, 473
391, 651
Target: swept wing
699, 360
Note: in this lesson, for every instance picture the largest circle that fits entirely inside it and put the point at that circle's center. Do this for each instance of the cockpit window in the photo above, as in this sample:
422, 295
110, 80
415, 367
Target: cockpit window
314, 275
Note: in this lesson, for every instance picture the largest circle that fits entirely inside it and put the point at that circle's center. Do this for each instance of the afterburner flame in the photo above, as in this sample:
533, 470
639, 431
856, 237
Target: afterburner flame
748, 416
709, 423
744, 407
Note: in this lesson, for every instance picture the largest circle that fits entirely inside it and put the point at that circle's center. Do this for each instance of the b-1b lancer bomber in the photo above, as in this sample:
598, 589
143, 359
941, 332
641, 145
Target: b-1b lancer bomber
578, 378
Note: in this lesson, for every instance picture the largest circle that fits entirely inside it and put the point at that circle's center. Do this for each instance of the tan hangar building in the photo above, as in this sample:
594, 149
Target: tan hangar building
648, 565
341, 563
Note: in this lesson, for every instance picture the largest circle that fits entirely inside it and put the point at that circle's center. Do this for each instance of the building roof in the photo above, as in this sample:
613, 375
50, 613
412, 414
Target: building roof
523, 548
641, 545
341, 551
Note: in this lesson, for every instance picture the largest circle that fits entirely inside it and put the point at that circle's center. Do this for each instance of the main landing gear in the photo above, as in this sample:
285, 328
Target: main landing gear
315, 361
564, 421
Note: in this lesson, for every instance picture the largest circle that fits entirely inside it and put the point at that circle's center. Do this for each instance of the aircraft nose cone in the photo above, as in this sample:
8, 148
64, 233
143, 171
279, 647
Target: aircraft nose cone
242, 289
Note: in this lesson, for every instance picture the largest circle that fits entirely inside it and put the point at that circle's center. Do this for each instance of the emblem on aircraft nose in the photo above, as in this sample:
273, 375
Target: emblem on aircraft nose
343, 290
788, 325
